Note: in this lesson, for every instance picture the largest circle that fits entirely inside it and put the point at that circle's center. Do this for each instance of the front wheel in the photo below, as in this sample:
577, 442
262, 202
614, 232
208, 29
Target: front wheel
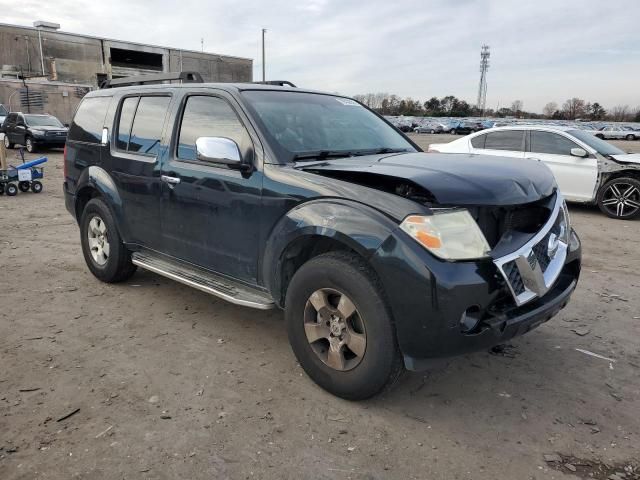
24, 186
36, 186
340, 326
620, 198
31, 147
453, 131
7, 143
103, 249
631, 137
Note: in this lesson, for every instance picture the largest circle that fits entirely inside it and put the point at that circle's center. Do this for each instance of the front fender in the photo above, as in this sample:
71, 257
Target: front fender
361, 228
97, 178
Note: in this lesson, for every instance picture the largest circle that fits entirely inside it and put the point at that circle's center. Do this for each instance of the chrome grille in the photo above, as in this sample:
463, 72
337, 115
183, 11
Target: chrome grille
533, 269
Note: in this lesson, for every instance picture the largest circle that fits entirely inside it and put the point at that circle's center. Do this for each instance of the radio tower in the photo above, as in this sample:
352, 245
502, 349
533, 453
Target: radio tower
482, 88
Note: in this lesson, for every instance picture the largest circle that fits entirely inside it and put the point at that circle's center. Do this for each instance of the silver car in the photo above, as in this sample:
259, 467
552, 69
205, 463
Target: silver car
612, 132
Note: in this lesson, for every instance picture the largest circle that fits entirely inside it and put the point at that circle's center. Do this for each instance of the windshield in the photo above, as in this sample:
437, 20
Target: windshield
42, 121
600, 146
300, 124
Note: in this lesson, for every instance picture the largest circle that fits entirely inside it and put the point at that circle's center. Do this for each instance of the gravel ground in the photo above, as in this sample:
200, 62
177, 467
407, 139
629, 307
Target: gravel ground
153, 380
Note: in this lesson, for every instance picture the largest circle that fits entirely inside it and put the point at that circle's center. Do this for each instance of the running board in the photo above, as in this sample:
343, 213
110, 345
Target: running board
204, 280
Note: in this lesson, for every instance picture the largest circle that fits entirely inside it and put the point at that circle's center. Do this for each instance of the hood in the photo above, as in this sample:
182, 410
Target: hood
628, 158
451, 179
48, 128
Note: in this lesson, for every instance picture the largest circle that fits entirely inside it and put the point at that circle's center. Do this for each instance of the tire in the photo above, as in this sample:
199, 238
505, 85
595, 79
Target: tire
7, 143
36, 186
631, 137
378, 363
113, 263
11, 190
432, 132
24, 186
28, 142
620, 198
453, 131
1, 188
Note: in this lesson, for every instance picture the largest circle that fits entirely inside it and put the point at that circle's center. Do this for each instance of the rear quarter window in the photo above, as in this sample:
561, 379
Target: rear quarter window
89, 120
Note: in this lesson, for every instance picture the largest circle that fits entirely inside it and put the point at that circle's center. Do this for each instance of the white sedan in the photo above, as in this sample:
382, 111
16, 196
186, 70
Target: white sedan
587, 169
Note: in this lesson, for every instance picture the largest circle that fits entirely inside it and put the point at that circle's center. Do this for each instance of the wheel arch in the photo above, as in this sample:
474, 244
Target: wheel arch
315, 228
95, 182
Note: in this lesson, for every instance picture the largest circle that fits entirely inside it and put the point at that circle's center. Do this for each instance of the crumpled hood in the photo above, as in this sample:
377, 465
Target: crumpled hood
628, 158
455, 179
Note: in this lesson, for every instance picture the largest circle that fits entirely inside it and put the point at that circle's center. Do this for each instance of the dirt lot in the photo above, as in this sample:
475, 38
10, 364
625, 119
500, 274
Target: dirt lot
151, 379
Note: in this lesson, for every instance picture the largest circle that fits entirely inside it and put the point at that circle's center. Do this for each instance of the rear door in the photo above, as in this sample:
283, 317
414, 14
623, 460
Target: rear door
504, 143
134, 157
210, 212
576, 177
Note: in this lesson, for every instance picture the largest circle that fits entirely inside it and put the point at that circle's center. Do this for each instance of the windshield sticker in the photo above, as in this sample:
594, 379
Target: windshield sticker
348, 101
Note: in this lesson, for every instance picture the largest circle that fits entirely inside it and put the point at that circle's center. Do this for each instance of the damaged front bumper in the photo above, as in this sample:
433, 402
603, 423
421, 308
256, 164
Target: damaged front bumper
443, 309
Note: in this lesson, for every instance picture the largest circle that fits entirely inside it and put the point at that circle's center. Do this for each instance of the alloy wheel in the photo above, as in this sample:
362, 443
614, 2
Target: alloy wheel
334, 329
98, 240
6, 141
29, 145
621, 199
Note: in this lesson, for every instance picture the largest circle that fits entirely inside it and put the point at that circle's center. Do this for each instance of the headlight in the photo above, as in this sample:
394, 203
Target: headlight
448, 234
37, 133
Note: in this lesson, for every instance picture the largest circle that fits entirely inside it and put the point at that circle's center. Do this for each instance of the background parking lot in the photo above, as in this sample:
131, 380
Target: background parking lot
152, 379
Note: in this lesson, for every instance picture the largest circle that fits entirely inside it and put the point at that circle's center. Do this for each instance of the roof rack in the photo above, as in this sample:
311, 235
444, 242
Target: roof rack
184, 77
280, 83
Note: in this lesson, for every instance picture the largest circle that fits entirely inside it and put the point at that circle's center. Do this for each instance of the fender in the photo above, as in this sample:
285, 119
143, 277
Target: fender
97, 178
361, 228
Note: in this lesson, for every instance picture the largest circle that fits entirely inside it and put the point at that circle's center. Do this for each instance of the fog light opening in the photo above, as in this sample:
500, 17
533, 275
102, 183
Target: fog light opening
470, 319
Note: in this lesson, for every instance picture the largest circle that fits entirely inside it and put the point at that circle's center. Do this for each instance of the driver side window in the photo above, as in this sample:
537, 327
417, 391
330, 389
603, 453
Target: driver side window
551, 143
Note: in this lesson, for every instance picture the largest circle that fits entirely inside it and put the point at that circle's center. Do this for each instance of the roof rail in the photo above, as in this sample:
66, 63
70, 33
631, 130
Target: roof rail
280, 83
184, 77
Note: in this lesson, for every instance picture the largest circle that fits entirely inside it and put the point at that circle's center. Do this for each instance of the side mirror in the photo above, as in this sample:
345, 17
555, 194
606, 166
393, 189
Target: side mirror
579, 152
218, 150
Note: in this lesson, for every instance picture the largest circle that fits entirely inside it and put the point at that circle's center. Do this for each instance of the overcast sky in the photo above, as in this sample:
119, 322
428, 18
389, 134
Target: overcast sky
541, 50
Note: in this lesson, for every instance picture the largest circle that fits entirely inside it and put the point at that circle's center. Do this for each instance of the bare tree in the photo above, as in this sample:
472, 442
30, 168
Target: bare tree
620, 113
574, 108
516, 107
549, 109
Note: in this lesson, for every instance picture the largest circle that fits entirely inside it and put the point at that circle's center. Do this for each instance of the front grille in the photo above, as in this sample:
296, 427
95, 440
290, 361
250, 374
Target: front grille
541, 252
513, 277
528, 219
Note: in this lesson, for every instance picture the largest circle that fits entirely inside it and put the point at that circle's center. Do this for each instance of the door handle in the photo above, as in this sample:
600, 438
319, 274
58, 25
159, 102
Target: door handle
170, 180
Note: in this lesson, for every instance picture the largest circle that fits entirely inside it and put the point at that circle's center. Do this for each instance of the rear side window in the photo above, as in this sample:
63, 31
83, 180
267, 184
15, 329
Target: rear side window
89, 120
505, 140
547, 142
478, 142
140, 124
209, 117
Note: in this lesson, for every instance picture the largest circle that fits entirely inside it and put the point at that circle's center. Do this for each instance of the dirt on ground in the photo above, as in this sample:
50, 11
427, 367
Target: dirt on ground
150, 379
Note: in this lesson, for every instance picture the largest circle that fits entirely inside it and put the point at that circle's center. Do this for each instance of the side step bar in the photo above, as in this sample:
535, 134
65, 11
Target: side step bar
204, 280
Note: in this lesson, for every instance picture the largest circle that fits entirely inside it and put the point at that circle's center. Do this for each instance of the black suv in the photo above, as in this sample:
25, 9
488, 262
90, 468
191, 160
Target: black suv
33, 131
382, 257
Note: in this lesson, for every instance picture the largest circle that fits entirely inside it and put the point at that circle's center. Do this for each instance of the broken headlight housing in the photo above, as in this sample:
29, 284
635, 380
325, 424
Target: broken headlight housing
450, 234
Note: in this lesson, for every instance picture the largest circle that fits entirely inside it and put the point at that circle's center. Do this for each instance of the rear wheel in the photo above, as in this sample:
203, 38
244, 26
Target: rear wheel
453, 131
103, 249
620, 198
631, 137
24, 186
1, 188
340, 326
11, 189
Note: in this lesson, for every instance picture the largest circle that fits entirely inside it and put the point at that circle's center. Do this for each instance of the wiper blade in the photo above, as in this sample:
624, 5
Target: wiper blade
322, 154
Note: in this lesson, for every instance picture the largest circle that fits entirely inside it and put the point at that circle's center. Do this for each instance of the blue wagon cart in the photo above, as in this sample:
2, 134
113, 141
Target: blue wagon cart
24, 177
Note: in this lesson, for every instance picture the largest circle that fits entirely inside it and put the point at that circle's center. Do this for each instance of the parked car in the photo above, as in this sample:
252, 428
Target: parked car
33, 131
383, 257
464, 128
612, 132
431, 127
587, 169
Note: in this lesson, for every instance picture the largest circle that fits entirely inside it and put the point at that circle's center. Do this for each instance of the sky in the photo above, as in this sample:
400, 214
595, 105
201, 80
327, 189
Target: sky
541, 51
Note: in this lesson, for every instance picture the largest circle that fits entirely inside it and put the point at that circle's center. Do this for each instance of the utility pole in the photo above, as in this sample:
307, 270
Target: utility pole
202, 44
264, 30
482, 87
41, 54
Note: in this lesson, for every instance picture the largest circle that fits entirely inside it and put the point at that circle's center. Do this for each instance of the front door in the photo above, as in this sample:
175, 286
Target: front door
136, 146
576, 176
211, 212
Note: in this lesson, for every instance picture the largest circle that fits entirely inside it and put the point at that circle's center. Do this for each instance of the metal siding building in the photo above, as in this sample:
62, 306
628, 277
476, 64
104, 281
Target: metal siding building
86, 61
